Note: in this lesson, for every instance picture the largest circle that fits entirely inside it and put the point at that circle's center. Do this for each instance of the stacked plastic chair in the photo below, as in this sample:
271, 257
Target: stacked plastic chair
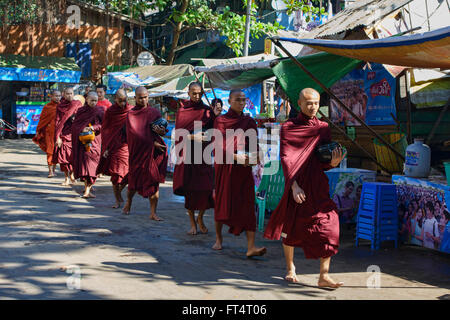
269, 191
377, 218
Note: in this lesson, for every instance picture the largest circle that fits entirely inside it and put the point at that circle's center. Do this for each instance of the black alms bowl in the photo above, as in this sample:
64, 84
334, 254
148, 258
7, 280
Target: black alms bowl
324, 151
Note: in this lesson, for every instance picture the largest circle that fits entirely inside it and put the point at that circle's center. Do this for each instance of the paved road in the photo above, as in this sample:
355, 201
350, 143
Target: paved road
48, 231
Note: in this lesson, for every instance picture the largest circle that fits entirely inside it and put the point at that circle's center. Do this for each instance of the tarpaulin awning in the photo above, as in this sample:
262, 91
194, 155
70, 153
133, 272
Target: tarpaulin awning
425, 50
177, 88
148, 76
327, 67
238, 73
39, 69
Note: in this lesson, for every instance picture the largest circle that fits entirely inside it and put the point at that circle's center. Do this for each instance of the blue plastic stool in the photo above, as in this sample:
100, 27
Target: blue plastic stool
377, 218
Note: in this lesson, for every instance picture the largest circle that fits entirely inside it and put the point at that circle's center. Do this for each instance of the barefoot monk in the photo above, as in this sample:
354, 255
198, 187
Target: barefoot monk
114, 160
65, 114
86, 156
306, 217
45, 131
148, 153
234, 184
193, 180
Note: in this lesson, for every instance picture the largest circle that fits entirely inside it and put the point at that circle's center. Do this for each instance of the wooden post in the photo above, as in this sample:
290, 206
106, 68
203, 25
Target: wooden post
408, 108
350, 111
438, 121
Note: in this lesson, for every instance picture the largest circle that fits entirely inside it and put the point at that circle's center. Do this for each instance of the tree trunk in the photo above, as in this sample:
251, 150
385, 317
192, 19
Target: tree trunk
176, 34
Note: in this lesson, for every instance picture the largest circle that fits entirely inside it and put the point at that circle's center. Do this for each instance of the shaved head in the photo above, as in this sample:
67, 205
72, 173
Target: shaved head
194, 84
236, 91
121, 98
141, 89
92, 94
141, 96
121, 93
309, 100
308, 91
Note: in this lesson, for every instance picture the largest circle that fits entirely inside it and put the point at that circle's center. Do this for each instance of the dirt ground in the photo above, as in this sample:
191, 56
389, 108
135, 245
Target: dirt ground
56, 245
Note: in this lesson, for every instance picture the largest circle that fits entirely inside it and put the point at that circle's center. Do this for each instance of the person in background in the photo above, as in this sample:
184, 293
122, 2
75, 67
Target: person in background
102, 101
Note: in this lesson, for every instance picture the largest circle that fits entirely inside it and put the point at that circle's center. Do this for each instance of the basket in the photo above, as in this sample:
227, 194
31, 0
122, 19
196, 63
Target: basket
386, 156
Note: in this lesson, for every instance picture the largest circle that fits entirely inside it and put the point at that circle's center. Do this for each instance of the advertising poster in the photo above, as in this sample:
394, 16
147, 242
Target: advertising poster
424, 219
369, 92
252, 93
28, 118
345, 190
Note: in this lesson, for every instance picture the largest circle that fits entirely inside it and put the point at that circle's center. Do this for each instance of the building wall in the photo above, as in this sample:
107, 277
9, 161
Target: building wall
44, 40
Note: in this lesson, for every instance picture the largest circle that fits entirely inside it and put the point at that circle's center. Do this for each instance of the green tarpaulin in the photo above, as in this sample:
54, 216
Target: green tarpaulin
38, 62
328, 68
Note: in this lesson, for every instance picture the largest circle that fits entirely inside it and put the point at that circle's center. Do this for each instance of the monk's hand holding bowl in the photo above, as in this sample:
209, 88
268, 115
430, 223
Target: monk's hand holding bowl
242, 158
86, 129
59, 142
159, 130
336, 157
298, 193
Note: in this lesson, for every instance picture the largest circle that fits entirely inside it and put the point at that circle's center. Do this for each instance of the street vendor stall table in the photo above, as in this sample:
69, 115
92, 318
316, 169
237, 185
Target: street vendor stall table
417, 223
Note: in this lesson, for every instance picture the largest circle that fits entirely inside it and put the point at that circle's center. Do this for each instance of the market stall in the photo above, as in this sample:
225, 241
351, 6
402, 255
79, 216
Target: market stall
25, 83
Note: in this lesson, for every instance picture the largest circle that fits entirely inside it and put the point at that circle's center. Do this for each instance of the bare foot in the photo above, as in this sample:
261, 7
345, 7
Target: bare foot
51, 175
126, 209
202, 226
65, 183
193, 231
217, 245
291, 276
256, 252
117, 205
155, 217
89, 195
72, 181
326, 282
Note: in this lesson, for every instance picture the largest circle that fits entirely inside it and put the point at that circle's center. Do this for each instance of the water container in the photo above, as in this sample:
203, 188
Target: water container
417, 160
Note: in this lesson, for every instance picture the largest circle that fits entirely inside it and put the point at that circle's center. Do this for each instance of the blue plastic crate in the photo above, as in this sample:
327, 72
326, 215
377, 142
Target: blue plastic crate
377, 218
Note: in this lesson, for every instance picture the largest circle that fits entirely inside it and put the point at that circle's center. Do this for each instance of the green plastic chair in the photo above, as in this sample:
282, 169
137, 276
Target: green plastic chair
269, 191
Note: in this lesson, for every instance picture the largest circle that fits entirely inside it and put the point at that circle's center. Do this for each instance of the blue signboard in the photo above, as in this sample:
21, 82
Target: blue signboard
36, 75
369, 92
252, 93
28, 118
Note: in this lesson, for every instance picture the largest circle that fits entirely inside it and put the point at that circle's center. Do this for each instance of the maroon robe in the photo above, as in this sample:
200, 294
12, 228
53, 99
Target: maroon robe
314, 224
85, 162
147, 165
65, 112
234, 184
194, 181
114, 139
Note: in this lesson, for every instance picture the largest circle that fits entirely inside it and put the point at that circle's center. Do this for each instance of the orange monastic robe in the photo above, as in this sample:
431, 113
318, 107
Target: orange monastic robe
45, 131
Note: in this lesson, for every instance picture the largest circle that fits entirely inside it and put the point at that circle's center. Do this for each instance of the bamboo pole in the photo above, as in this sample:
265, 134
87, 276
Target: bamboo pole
350, 111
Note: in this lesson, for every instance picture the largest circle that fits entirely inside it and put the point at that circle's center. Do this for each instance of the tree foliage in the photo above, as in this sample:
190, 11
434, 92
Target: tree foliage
307, 7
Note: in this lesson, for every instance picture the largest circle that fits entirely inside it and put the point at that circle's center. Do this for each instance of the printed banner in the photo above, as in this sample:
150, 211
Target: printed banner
345, 190
28, 118
252, 93
369, 92
424, 219
43, 75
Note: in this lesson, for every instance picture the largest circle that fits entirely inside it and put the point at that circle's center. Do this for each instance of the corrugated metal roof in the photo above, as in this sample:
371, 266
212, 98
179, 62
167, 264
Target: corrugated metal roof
362, 13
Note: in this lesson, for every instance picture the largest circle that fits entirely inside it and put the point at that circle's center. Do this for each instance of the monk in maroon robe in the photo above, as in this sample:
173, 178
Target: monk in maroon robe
194, 181
235, 187
85, 161
45, 131
65, 114
306, 217
114, 160
148, 153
